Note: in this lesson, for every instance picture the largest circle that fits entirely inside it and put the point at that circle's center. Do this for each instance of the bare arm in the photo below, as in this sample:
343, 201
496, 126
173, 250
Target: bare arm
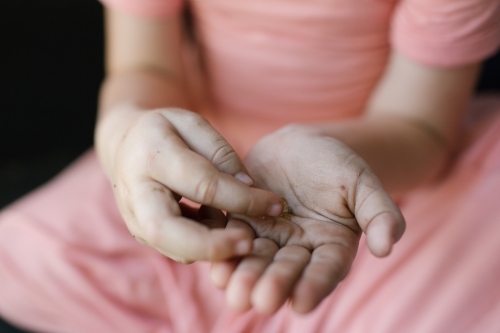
412, 123
410, 130
143, 72
155, 151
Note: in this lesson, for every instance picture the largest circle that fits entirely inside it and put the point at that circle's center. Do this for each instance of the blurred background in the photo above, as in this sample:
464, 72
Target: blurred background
50, 71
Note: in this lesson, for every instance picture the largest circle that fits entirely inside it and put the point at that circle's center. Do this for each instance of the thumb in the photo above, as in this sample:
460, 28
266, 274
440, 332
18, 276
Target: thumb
377, 215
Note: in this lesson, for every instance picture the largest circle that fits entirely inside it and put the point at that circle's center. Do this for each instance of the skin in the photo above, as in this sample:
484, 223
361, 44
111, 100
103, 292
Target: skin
335, 176
335, 198
405, 139
154, 151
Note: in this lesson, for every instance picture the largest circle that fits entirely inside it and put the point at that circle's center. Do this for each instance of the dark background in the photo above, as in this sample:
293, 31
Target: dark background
50, 72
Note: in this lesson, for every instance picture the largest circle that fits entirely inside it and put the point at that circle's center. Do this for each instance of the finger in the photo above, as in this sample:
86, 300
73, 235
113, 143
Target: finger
238, 224
221, 272
378, 215
207, 142
160, 224
383, 231
197, 179
329, 264
251, 267
276, 284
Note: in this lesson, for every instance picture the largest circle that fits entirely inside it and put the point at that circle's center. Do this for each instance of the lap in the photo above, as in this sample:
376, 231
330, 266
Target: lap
68, 264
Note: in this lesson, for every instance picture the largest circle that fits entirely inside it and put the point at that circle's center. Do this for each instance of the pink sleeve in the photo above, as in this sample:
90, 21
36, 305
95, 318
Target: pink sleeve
446, 32
149, 8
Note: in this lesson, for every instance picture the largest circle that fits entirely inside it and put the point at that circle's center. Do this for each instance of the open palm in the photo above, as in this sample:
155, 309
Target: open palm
333, 197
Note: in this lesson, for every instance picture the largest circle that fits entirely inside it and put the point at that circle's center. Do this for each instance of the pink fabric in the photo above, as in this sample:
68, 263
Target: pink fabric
446, 33
272, 62
269, 63
68, 264
148, 8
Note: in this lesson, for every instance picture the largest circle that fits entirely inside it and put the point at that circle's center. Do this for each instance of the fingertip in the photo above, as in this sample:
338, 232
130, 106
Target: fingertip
275, 209
243, 247
382, 233
265, 299
262, 202
264, 308
269, 204
243, 241
300, 307
238, 297
221, 272
228, 243
302, 301
379, 248
244, 178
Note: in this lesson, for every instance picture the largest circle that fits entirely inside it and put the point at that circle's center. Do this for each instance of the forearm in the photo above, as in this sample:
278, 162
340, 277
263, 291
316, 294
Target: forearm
144, 72
401, 152
123, 98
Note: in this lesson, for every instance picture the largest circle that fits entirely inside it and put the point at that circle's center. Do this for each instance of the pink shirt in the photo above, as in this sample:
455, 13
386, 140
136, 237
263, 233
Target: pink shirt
270, 62
68, 263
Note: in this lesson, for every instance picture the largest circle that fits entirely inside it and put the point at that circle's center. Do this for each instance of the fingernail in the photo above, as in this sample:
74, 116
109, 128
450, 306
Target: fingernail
275, 210
243, 177
243, 247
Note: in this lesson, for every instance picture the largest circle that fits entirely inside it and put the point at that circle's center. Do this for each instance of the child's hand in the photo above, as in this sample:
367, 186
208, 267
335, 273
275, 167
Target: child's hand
169, 153
333, 196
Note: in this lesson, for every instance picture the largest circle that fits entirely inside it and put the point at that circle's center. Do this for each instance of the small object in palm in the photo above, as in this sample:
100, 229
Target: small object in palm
287, 213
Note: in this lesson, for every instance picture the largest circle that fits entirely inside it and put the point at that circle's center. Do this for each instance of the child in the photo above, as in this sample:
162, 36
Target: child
377, 91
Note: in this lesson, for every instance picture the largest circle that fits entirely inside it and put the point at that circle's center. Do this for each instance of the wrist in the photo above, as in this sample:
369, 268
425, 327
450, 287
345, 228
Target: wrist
110, 130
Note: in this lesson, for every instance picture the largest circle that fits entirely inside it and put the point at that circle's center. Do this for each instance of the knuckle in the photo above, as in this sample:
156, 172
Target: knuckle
140, 147
148, 119
223, 155
206, 190
251, 206
193, 119
367, 182
151, 160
